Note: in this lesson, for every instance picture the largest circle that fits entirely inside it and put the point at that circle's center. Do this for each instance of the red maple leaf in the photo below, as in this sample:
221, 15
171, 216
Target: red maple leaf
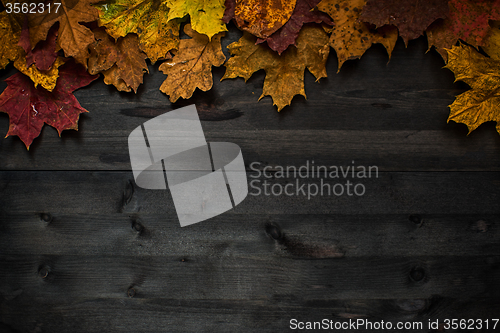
29, 107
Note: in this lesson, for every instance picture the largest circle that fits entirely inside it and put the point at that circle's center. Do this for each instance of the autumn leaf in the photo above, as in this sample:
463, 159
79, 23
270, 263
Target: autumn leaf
411, 17
73, 37
287, 34
285, 73
10, 31
262, 18
44, 54
146, 18
482, 74
229, 11
41, 64
206, 15
467, 20
492, 41
29, 107
350, 38
47, 79
112, 76
191, 67
125, 53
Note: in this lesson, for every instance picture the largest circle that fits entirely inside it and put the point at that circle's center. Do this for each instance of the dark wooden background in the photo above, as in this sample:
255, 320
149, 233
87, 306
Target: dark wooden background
83, 249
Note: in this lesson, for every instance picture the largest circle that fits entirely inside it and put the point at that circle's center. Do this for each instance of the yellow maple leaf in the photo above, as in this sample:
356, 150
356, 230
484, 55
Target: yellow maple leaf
482, 103
148, 19
206, 15
263, 17
351, 38
10, 31
47, 79
191, 67
285, 73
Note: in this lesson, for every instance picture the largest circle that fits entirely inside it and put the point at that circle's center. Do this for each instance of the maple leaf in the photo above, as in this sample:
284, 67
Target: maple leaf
206, 15
10, 31
287, 34
467, 20
285, 73
263, 17
411, 17
191, 67
73, 37
125, 53
146, 18
44, 54
482, 102
29, 107
350, 38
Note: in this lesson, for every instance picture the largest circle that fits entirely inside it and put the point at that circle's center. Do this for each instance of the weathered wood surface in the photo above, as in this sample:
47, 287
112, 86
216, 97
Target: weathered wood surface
82, 249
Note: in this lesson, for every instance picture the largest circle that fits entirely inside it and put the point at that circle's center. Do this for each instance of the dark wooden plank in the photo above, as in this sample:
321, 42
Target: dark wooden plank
274, 315
66, 278
68, 192
254, 235
396, 150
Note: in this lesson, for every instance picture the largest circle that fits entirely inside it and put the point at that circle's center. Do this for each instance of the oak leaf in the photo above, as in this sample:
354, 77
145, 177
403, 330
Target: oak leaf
146, 18
191, 67
285, 73
287, 34
29, 108
482, 102
262, 18
112, 76
411, 17
125, 53
10, 31
350, 38
73, 37
206, 15
467, 20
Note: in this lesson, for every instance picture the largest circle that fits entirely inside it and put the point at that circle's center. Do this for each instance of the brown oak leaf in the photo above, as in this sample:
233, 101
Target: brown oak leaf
411, 17
124, 55
191, 67
350, 38
467, 20
29, 108
285, 73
